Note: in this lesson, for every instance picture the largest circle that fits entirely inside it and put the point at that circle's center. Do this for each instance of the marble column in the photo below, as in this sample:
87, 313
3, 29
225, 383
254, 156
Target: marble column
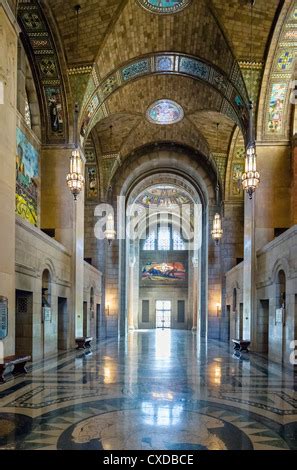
8, 85
131, 293
60, 212
196, 290
249, 288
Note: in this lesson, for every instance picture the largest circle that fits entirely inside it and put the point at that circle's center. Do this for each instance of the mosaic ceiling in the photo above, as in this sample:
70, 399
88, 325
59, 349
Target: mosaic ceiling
164, 196
164, 6
114, 71
164, 112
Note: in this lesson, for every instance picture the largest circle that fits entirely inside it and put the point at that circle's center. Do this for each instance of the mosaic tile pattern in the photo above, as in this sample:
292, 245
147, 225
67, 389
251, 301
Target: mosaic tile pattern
278, 89
150, 393
164, 7
34, 26
164, 112
232, 88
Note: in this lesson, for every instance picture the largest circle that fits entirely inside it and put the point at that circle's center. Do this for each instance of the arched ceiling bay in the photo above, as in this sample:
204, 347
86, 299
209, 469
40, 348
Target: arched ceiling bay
235, 18
96, 17
137, 32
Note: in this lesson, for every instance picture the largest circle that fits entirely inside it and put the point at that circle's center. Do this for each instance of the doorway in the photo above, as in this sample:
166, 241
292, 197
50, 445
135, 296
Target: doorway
62, 323
23, 323
85, 319
98, 320
163, 314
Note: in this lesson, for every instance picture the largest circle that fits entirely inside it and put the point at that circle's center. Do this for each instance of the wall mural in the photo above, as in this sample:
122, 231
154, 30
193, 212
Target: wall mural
276, 106
92, 182
27, 170
278, 100
164, 272
55, 108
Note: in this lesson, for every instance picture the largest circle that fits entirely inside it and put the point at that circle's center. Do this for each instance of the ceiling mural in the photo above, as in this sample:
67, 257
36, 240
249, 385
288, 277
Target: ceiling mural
164, 6
164, 112
278, 96
164, 196
42, 49
234, 105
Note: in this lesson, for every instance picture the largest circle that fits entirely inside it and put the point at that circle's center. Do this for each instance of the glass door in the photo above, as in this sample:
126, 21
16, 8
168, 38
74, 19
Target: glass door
163, 314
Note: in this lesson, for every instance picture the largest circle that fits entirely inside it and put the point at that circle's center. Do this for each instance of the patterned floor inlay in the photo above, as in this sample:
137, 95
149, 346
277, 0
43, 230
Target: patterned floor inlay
157, 390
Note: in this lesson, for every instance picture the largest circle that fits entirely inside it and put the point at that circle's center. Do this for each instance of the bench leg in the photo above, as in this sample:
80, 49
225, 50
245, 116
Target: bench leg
88, 344
19, 368
2, 370
236, 347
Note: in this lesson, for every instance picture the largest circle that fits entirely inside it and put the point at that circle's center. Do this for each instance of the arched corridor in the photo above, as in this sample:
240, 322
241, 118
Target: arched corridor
148, 225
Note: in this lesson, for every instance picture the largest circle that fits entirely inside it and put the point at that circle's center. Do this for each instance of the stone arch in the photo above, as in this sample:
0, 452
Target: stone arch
277, 79
48, 70
231, 88
281, 264
152, 161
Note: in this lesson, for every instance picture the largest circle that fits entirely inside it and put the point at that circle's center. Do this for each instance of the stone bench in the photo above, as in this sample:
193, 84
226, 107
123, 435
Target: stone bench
17, 362
84, 342
241, 345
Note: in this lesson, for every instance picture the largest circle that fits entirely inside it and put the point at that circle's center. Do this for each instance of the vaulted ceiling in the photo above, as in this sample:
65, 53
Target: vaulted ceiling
113, 34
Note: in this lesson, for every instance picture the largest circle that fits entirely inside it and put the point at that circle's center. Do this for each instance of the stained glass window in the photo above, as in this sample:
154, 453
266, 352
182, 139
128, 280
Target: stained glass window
164, 239
178, 243
149, 244
164, 112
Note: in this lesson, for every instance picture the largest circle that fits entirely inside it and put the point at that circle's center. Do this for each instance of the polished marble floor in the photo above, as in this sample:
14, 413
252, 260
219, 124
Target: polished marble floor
155, 390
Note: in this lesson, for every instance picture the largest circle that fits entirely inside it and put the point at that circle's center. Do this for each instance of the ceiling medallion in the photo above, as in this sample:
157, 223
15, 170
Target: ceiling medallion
164, 6
164, 112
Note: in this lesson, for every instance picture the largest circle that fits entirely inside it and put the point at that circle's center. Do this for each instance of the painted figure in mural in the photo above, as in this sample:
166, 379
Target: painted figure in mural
55, 110
19, 161
275, 111
92, 189
163, 271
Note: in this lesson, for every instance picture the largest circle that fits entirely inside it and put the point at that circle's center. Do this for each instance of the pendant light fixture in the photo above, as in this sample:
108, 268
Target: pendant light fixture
217, 231
251, 177
110, 232
75, 178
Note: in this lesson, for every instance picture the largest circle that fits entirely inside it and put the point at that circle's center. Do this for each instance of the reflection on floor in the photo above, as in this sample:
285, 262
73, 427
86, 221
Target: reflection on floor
157, 390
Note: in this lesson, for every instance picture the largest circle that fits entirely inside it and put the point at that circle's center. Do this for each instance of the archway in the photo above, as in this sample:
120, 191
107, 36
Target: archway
165, 164
163, 254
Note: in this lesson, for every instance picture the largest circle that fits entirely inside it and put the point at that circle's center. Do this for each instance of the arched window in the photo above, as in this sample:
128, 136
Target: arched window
166, 240
178, 242
150, 242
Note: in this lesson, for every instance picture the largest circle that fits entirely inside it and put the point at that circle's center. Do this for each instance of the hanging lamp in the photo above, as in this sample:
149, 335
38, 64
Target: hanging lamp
75, 178
251, 177
217, 231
